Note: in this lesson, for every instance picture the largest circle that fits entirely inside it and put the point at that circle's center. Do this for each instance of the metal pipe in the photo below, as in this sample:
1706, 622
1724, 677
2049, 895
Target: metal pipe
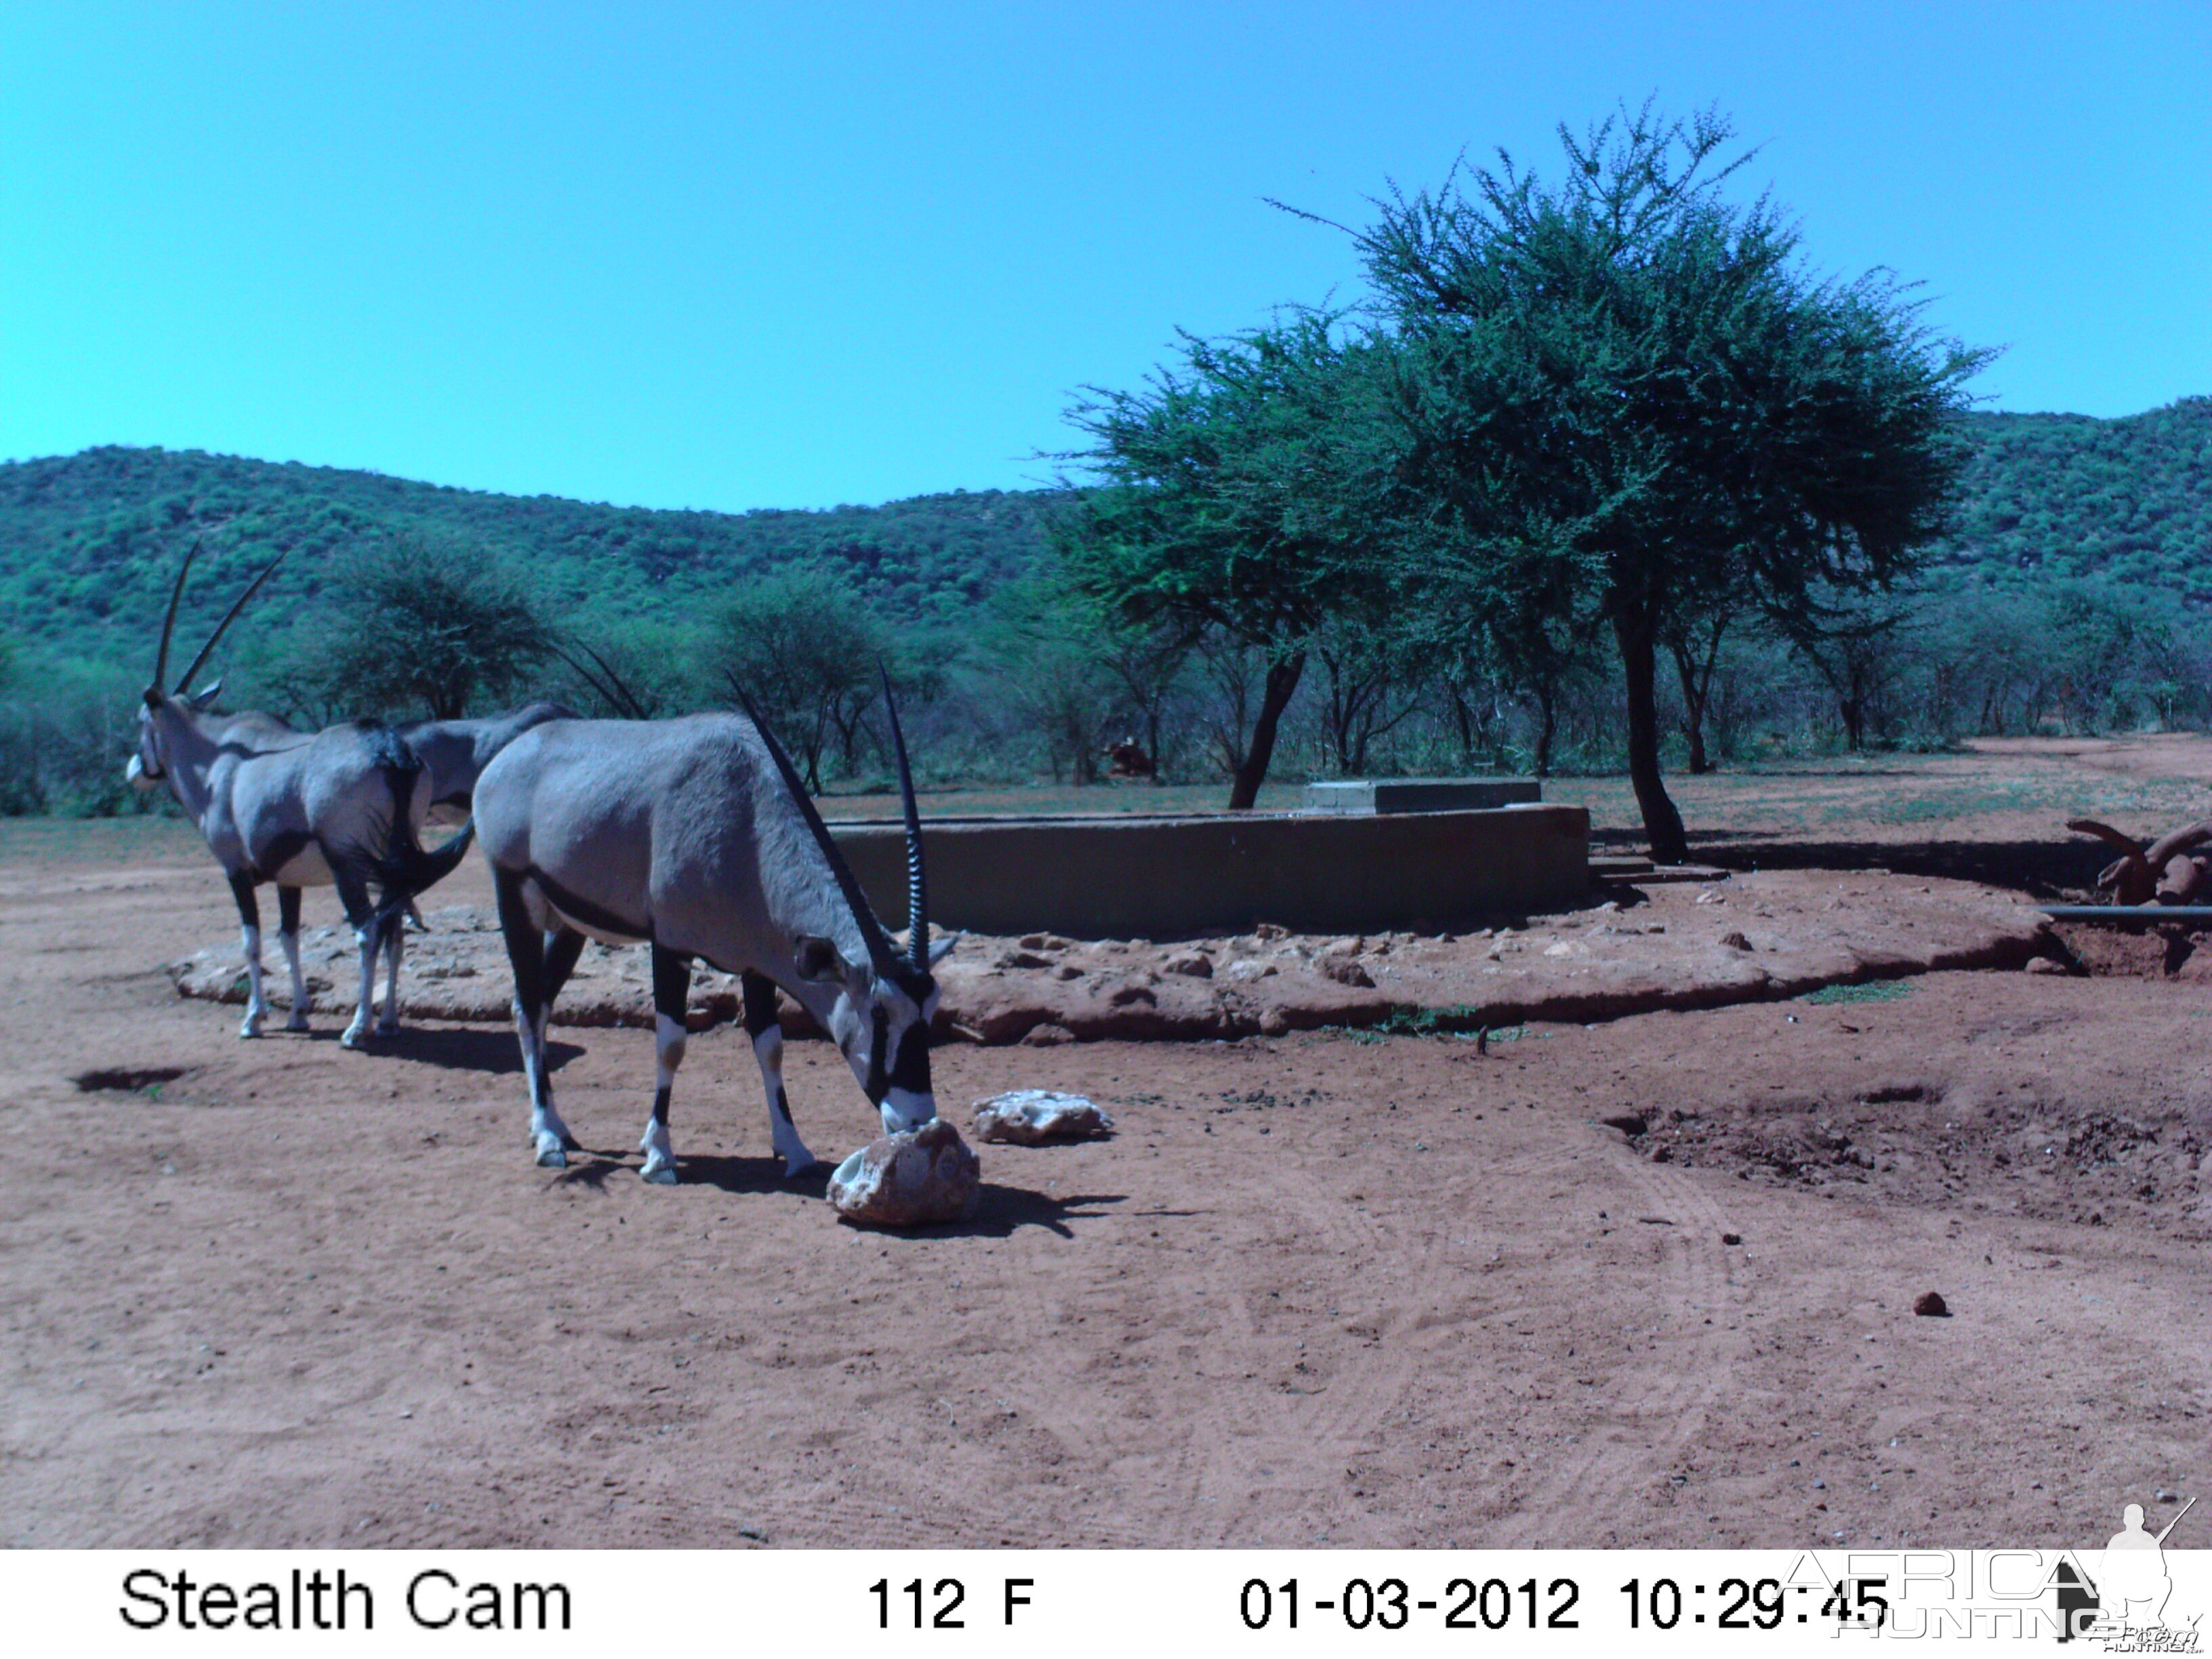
2129, 916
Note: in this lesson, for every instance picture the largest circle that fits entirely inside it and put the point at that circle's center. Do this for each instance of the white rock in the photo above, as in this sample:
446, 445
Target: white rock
910, 1179
1030, 1116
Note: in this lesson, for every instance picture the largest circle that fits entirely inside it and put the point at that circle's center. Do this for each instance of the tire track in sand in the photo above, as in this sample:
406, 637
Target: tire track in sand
1650, 1409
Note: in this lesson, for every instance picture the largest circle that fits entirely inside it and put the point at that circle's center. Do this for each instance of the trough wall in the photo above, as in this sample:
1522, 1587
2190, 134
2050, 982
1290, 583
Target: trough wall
1169, 877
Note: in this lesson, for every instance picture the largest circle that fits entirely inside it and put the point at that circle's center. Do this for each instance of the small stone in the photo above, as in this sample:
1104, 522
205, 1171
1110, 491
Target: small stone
911, 1179
1032, 941
1065, 971
1344, 971
2044, 965
1735, 941
1026, 957
1030, 1116
1268, 930
1731, 1238
1047, 1036
1195, 964
1930, 1305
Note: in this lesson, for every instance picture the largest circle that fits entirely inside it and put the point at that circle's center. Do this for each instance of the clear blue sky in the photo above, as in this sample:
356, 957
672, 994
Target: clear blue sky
736, 256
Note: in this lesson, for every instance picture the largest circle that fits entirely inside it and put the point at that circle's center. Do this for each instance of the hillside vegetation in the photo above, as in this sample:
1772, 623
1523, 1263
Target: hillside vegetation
88, 542
2067, 496
2072, 591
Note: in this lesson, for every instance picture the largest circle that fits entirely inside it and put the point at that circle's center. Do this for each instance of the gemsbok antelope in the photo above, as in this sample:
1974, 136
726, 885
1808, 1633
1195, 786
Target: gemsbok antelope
455, 753
302, 809
696, 836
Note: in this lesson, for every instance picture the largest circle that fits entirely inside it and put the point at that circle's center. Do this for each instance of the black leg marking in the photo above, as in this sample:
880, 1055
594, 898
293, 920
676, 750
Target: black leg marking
526, 945
760, 1016
287, 909
249, 907
671, 992
525, 954
563, 946
760, 1002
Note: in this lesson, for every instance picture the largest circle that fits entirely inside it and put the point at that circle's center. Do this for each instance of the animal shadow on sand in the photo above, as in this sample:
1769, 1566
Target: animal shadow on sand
465, 1049
1001, 1210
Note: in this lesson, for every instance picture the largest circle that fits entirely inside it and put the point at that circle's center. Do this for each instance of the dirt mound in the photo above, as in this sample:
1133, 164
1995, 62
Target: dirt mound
1946, 1139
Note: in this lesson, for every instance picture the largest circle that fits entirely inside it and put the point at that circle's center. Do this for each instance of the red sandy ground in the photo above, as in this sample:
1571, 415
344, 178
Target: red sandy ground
1322, 1288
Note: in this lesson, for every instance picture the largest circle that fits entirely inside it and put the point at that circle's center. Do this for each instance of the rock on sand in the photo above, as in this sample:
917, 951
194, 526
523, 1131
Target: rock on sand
910, 1179
1031, 1115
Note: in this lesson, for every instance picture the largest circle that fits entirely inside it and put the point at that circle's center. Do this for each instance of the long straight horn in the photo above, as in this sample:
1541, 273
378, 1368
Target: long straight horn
629, 701
871, 930
917, 879
169, 623
216, 638
615, 693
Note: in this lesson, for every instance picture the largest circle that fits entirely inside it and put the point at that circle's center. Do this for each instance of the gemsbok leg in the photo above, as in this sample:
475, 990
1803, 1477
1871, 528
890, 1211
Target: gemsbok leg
249, 928
353, 893
527, 954
671, 990
768, 1049
288, 935
395, 946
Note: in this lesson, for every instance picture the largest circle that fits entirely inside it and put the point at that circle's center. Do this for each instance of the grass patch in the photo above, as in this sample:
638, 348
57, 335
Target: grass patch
1877, 990
1459, 1022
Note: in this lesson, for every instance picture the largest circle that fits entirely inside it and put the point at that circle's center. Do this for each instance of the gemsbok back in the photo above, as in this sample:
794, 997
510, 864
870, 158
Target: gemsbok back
302, 809
455, 753
696, 836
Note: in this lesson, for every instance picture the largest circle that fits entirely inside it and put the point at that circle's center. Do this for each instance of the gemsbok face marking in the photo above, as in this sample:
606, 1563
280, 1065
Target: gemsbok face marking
338, 807
696, 836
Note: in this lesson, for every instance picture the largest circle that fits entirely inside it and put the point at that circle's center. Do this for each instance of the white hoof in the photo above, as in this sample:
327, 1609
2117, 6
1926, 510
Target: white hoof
352, 1035
251, 1027
298, 1022
388, 1026
552, 1139
659, 1171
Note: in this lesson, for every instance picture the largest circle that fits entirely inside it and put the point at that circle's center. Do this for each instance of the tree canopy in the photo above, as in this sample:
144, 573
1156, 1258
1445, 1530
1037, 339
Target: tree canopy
1629, 379
1237, 494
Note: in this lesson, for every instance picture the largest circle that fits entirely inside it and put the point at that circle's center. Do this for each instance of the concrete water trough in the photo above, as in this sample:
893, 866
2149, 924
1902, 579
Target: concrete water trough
1172, 877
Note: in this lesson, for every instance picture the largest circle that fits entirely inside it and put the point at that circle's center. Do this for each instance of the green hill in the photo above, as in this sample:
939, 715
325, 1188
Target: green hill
2062, 496
88, 542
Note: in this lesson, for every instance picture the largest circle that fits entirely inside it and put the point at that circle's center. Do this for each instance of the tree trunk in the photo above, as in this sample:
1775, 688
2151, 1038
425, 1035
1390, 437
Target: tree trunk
1697, 691
1282, 683
1547, 718
1662, 826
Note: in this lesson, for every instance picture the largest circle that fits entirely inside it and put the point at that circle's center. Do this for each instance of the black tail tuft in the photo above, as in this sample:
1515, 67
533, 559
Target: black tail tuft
407, 870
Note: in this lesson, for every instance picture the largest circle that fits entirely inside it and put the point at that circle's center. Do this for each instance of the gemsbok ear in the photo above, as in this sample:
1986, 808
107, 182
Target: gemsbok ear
817, 959
941, 948
200, 703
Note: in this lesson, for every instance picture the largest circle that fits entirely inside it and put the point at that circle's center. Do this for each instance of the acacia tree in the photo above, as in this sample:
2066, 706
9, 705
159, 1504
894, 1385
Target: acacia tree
801, 644
1233, 500
418, 626
1628, 356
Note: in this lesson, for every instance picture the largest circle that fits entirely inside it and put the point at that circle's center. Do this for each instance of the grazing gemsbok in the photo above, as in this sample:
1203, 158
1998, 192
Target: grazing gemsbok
301, 809
697, 834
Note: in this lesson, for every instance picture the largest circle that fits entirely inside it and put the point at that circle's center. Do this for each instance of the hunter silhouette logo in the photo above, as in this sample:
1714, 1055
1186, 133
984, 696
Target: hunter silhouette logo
2121, 1606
